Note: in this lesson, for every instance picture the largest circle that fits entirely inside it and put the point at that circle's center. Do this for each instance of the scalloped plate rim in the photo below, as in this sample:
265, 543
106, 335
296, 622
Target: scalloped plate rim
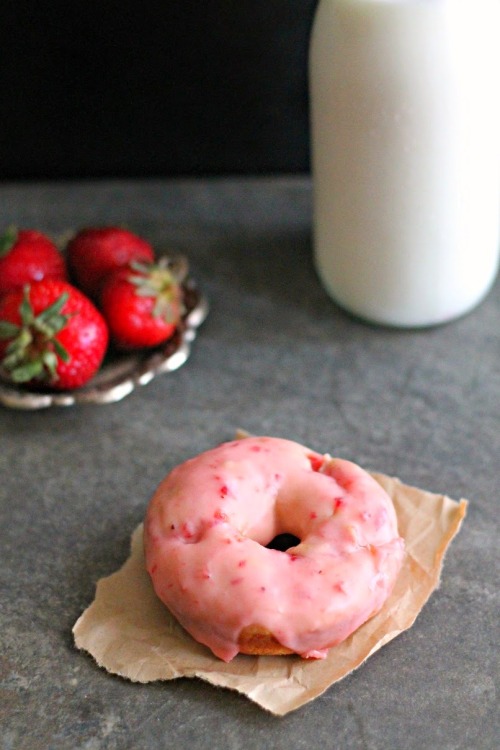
145, 369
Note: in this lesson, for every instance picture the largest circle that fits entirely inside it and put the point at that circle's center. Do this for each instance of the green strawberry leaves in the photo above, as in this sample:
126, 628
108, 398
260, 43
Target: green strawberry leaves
50, 321
161, 281
34, 350
8, 330
7, 241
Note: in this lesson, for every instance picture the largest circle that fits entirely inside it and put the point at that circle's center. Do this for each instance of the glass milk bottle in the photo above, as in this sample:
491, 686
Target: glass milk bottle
405, 127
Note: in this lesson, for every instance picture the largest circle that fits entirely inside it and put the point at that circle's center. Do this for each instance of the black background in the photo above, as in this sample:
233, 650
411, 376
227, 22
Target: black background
131, 89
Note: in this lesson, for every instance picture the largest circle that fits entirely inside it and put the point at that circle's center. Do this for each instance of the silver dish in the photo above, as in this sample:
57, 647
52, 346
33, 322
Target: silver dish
121, 373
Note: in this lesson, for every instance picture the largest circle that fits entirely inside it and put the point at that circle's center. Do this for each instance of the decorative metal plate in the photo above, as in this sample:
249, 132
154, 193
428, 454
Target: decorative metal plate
121, 373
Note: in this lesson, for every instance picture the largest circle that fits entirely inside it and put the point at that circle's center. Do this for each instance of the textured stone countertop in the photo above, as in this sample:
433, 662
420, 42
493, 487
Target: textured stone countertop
275, 356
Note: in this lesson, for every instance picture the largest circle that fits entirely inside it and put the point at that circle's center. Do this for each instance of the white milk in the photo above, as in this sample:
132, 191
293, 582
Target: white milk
405, 118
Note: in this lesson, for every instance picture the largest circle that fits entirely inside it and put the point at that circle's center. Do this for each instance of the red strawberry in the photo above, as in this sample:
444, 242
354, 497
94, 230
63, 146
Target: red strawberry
51, 335
142, 303
93, 253
26, 256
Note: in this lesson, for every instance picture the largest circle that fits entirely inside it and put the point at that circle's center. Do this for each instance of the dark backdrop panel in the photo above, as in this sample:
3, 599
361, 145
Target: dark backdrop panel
149, 89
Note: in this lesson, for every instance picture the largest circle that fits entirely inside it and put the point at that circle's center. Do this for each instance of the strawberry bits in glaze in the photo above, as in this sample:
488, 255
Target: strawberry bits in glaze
209, 534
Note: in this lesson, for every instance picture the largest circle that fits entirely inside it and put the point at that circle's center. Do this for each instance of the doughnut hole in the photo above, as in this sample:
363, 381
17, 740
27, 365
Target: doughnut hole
282, 542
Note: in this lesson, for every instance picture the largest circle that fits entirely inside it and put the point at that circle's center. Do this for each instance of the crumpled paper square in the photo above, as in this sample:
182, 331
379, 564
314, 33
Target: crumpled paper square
129, 632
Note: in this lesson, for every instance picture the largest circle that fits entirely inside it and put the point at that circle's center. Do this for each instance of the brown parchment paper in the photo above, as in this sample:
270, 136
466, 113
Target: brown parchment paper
129, 632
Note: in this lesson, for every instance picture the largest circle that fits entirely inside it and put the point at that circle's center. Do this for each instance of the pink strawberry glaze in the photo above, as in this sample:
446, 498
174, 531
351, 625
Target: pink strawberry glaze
209, 521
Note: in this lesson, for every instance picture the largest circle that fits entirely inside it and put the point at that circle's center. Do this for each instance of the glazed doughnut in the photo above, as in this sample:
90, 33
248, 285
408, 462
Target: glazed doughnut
206, 531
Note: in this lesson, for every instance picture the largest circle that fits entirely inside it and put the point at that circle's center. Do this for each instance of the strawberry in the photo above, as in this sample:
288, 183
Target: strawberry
50, 335
94, 252
143, 303
27, 255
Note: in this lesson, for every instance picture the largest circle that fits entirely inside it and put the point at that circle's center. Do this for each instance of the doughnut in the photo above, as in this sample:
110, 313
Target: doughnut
210, 533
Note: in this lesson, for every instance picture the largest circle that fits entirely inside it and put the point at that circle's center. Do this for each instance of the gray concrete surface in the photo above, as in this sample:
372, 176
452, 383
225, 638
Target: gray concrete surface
275, 356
